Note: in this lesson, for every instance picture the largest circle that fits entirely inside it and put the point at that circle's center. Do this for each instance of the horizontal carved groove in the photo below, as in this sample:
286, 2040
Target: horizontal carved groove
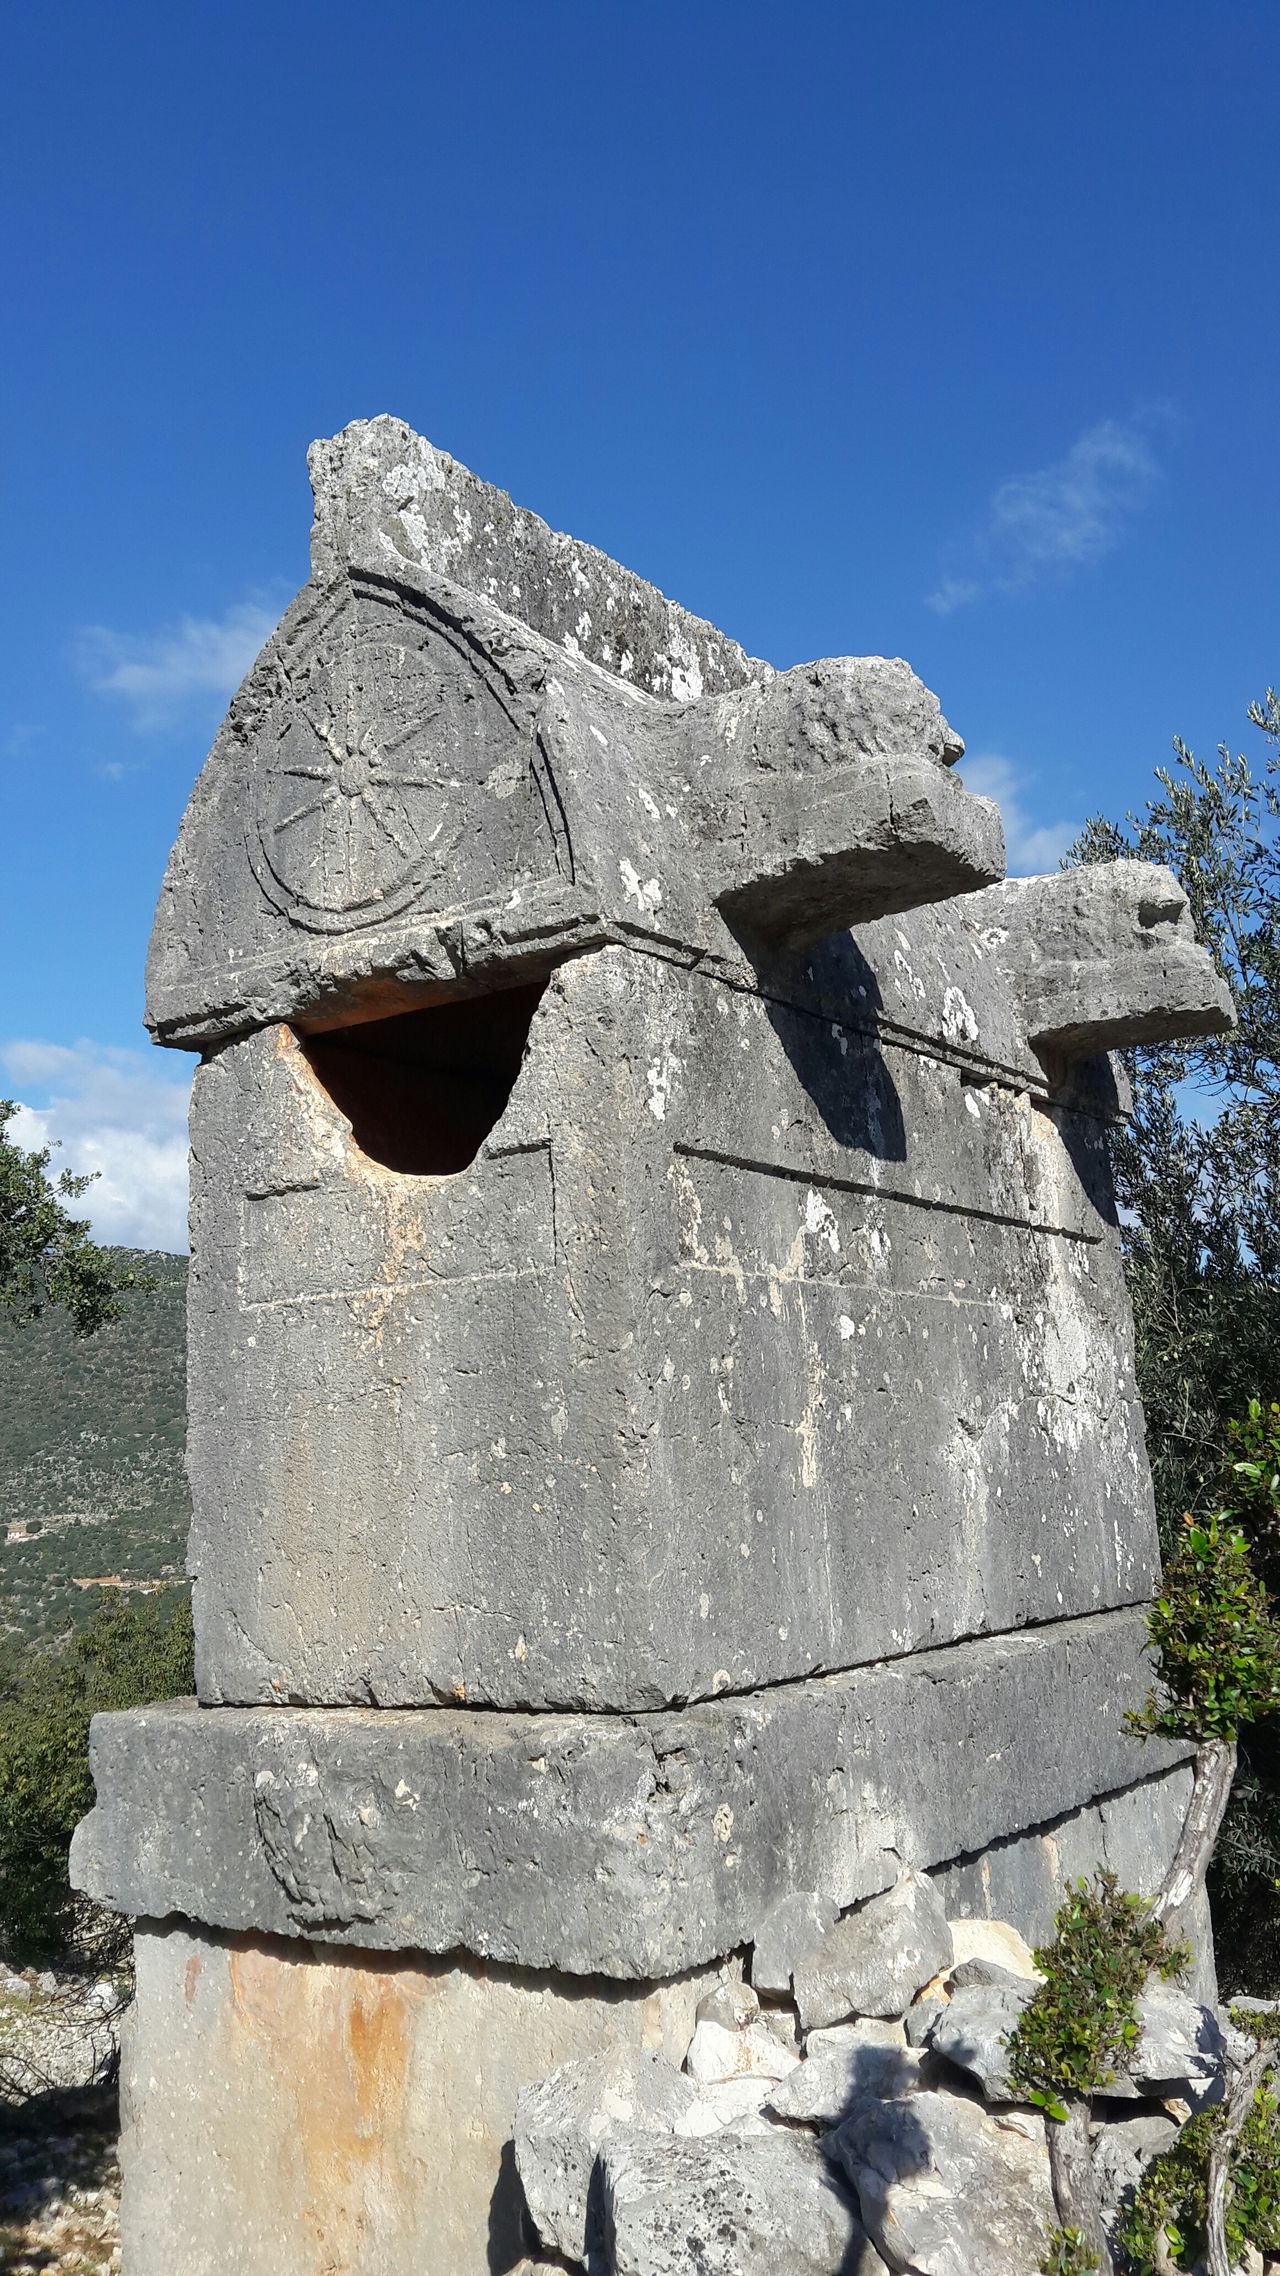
883, 1193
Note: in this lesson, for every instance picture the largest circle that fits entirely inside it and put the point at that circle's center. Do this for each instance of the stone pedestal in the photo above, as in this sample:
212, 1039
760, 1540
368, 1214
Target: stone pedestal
338, 2111
662, 1423
316, 2111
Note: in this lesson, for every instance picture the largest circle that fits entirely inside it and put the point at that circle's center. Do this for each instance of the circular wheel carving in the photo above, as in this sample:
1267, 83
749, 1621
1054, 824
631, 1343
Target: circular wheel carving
367, 757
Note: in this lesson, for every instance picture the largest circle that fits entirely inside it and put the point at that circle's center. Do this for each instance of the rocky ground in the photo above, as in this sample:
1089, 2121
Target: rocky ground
60, 2187
59, 2179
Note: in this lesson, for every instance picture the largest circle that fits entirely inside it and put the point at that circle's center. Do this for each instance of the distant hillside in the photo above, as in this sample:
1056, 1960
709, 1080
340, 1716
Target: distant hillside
92, 1486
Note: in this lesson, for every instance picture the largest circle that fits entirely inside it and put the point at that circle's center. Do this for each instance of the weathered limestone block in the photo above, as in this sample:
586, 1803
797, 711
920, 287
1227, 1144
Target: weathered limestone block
845, 2066
387, 498
732, 1238
875, 1960
945, 2188
1181, 2047
974, 2030
561, 2121
920, 2018
333, 2114
1133, 1834
1104, 956
414, 796
728, 2208
676, 1833
787, 1935
1123, 2151
985, 1944
733, 2004
732, 2106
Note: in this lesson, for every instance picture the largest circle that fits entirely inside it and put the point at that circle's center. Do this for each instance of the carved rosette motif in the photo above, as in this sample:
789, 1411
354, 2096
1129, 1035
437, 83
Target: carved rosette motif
381, 728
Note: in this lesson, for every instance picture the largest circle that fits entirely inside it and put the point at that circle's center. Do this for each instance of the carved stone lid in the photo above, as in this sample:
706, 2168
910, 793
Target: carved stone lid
473, 748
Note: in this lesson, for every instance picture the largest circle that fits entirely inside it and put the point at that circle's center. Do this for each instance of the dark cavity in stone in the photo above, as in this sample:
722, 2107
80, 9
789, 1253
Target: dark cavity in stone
423, 1089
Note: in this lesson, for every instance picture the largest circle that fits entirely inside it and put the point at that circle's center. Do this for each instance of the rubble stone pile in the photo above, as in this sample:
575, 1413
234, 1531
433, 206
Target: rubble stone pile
847, 2111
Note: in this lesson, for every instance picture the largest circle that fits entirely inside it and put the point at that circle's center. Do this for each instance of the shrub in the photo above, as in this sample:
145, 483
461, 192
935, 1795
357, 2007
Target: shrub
1215, 1642
1083, 2018
1171, 2197
132, 1651
1070, 2254
1252, 1483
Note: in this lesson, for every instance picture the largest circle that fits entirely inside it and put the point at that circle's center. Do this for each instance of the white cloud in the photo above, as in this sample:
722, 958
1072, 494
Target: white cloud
1032, 847
1064, 517
162, 674
119, 1114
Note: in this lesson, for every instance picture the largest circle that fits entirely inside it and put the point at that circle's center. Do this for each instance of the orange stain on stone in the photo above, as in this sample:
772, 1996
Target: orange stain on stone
336, 2041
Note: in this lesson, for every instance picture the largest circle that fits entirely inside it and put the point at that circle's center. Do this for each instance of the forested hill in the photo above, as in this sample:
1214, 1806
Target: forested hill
92, 1487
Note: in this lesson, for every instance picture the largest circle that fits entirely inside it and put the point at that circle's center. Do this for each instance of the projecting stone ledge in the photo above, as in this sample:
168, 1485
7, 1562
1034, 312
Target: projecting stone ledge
633, 1847
832, 803
1104, 957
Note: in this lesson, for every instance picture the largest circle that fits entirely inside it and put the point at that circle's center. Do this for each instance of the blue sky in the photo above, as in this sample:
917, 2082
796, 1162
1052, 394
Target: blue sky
940, 330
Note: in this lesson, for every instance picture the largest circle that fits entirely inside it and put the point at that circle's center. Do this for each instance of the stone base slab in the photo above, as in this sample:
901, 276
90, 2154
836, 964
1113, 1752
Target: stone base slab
1133, 1835
629, 1846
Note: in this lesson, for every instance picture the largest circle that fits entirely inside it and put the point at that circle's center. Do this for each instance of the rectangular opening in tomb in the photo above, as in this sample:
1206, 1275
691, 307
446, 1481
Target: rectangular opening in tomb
423, 1089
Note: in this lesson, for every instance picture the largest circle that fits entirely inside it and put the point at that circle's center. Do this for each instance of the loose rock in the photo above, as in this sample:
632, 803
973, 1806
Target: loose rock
945, 2188
733, 2005
868, 2031
562, 2120
767, 2207
1122, 2152
60, 2186
729, 2105
920, 2018
971, 1972
844, 2067
875, 1960
789, 1932
784, 2025
716, 2053
1180, 2046
974, 2029
992, 1940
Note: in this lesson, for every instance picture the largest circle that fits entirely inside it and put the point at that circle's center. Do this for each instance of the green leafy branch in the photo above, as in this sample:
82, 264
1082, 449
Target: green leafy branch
1082, 2021
46, 1254
1214, 1638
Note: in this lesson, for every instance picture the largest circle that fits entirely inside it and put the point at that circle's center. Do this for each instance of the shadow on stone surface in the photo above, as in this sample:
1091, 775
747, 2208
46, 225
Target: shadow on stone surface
1094, 1093
855, 1094
512, 2237
878, 2076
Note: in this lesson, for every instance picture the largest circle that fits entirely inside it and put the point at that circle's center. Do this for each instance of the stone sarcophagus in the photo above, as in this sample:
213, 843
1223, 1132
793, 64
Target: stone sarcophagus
662, 1426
